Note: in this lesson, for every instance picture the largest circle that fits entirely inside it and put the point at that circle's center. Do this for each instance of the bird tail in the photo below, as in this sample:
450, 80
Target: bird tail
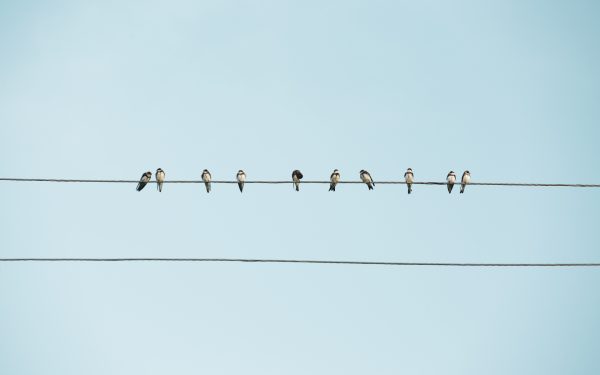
297, 186
450, 186
331, 187
159, 186
140, 186
409, 188
207, 187
241, 186
462, 188
370, 186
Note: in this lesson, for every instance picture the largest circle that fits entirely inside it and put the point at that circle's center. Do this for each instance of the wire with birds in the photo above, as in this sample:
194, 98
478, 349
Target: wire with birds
296, 181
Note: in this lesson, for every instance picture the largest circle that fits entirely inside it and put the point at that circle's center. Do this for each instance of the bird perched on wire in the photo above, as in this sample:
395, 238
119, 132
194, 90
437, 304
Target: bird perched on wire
144, 180
367, 179
206, 177
450, 179
334, 179
466, 178
160, 178
241, 178
296, 177
409, 177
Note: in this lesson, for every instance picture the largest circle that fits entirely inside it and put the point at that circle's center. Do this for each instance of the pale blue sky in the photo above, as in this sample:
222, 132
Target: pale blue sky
100, 89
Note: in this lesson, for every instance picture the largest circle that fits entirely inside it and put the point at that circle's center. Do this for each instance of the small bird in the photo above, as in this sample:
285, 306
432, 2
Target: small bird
144, 180
206, 177
366, 178
335, 178
466, 178
296, 177
160, 178
241, 177
409, 177
451, 179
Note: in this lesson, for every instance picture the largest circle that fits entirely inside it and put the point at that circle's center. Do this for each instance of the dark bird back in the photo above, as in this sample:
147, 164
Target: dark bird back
143, 181
296, 177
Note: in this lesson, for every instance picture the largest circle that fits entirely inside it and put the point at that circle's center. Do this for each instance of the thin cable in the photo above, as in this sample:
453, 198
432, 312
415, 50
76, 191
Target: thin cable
302, 261
61, 180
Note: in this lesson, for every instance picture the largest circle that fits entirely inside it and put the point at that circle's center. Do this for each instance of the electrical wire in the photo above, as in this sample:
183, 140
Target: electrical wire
302, 261
62, 180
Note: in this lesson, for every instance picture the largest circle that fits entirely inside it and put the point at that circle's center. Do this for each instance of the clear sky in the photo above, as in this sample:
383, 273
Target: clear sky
110, 89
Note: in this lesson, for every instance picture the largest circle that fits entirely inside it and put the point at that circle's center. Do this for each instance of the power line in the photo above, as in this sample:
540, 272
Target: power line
301, 261
275, 182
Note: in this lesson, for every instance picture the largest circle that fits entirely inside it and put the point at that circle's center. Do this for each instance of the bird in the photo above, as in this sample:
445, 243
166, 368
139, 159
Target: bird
466, 178
366, 178
160, 178
296, 177
144, 180
335, 178
241, 177
206, 178
409, 177
451, 179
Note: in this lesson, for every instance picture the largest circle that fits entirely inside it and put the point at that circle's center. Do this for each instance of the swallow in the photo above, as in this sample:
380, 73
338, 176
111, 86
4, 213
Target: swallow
466, 178
206, 177
144, 180
450, 179
241, 177
160, 178
296, 177
335, 178
366, 178
409, 177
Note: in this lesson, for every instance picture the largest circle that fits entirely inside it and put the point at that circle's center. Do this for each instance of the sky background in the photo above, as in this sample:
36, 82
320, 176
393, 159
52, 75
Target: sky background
111, 89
